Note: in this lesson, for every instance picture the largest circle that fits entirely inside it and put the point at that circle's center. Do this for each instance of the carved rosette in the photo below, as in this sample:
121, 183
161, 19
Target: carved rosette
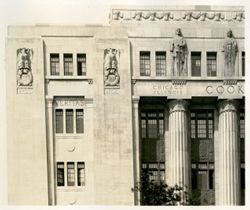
111, 67
24, 70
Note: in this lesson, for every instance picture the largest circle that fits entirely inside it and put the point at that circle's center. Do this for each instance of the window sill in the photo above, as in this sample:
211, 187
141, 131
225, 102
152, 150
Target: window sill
69, 136
74, 77
71, 188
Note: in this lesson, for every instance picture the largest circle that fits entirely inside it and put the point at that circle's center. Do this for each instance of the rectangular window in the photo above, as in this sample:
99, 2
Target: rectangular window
194, 179
69, 121
202, 179
54, 64
81, 173
160, 61
60, 174
79, 121
202, 125
243, 63
242, 178
196, 63
71, 174
145, 63
211, 179
152, 128
156, 171
203, 176
152, 124
201, 128
211, 64
68, 64
81, 64
242, 125
59, 121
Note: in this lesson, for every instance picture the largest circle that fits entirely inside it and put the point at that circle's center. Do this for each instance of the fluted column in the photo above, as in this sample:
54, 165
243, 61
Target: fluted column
228, 168
178, 152
136, 152
50, 151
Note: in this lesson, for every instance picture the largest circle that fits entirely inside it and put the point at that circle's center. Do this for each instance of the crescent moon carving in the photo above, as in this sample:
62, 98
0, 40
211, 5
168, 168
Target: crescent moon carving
72, 203
72, 150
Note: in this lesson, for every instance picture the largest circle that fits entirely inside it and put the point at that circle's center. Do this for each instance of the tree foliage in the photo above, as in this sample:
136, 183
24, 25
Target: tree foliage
159, 193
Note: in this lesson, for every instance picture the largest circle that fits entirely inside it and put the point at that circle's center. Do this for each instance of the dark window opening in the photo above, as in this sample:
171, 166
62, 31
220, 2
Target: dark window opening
59, 121
68, 64
145, 63
60, 174
160, 61
71, 174
243, 63
196, 63
69, 121
211, 64
79, 121
81, 64
81, 173
54, 64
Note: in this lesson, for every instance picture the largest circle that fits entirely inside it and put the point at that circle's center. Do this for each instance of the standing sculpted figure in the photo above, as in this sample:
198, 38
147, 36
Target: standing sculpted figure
178, 49
230, 50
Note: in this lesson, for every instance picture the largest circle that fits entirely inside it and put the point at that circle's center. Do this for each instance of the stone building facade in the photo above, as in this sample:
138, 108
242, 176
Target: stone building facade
90, 107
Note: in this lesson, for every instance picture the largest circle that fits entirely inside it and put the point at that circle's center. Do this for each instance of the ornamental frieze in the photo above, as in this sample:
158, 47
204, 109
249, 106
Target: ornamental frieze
159, 15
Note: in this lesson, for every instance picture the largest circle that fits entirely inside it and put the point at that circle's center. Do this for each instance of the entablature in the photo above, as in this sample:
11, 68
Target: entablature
186, 89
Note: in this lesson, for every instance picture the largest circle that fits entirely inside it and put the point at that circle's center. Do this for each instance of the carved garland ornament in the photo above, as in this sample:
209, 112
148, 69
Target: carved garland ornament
175, 16
24, 71
111, 66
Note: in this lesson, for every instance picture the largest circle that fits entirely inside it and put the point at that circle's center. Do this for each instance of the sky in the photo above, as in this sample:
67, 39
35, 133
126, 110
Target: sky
65, 12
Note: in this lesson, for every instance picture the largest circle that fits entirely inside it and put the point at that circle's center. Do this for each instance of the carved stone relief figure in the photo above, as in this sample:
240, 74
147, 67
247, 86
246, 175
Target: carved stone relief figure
111, 75
230, 50
178, 48
24, 71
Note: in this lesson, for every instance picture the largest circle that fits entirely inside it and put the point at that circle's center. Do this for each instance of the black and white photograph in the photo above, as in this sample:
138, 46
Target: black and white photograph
114, 103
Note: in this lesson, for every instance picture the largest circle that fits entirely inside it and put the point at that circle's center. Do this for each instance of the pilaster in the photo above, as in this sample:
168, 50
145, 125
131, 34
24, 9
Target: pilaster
136, 146
50, 151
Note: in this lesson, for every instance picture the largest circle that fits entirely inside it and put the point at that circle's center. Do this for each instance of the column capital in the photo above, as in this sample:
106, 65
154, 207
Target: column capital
178, 105
49, 101
228, 105
135, 99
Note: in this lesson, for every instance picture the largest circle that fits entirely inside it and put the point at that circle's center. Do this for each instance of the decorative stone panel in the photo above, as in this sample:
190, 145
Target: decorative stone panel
111, 67
24, 70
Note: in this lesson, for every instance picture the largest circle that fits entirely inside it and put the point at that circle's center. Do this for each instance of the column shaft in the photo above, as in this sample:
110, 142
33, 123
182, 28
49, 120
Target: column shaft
228, 170
178, 152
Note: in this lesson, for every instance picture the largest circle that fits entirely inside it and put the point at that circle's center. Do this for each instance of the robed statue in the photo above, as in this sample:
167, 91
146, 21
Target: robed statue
230, 50
178, 48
